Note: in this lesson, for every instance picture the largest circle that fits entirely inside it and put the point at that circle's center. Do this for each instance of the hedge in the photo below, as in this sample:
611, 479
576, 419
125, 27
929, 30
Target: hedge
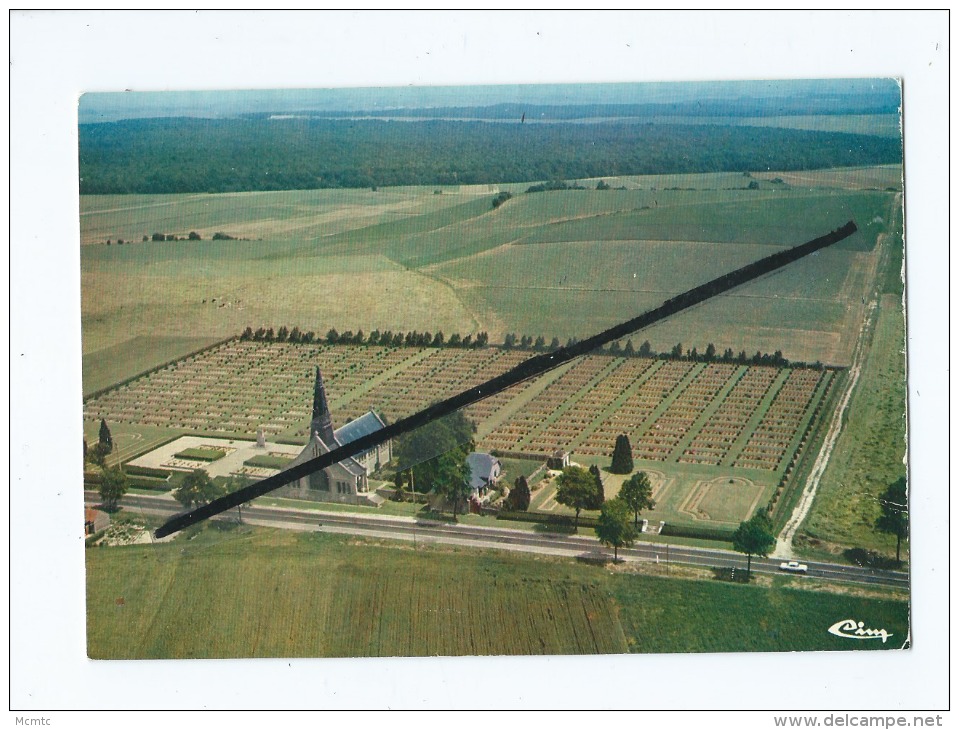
700, 533
269, 462
146, 471
200, 454
558, 520
159, 485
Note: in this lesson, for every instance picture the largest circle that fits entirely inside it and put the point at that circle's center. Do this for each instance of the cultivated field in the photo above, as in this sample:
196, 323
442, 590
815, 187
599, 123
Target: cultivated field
563, 263
257, 595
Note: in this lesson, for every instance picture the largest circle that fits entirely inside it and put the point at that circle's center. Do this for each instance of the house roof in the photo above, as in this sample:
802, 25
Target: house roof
481, 469
366, 424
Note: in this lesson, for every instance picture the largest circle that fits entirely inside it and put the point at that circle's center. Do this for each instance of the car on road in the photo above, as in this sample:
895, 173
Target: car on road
794, 567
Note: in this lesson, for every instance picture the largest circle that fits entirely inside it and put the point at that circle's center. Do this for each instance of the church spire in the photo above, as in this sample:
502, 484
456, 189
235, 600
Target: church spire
322, 423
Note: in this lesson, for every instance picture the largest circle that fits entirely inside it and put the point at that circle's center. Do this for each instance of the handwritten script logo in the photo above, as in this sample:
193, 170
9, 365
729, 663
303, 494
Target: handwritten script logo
851, 629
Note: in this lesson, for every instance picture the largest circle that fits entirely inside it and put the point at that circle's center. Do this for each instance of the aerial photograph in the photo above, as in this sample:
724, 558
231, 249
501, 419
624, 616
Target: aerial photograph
541, 369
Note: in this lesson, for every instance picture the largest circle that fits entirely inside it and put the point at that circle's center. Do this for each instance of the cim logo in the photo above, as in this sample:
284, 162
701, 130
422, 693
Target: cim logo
851, 629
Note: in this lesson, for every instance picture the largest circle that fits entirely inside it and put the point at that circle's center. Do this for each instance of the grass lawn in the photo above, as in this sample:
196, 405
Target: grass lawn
685, 494
269, 593
129, 439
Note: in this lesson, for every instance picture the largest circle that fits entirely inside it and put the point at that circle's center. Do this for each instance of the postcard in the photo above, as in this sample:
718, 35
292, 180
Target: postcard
673, 314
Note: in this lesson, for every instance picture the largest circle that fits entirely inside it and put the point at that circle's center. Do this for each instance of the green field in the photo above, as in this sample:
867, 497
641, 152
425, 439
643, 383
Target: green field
562, 263
870, 452
265, 593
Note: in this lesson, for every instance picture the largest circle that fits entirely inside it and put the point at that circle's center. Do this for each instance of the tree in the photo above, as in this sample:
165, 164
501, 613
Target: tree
637, 494
646, 349
197, 488
448, 441
398, 495
754, 537
194, 236
332, 336
894, 519
613, 528
519, 496
629, 350
599, 496
576, 489
622, 456
451, 478
113, 485
105, 444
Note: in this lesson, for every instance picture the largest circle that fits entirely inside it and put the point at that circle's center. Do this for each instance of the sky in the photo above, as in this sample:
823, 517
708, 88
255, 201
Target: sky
112, 106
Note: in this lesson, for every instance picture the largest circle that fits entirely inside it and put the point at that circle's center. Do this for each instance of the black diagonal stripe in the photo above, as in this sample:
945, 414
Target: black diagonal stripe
527, 369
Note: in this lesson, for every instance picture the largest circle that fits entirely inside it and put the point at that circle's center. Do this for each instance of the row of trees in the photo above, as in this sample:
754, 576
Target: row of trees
512, 341
191, 236
387, 338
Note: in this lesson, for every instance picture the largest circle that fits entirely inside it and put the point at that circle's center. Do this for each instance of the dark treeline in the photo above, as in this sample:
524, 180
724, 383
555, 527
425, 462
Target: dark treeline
511, 341
186, 155
802, 104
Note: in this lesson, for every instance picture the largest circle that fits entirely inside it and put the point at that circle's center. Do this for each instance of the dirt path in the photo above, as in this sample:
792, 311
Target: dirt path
784, 541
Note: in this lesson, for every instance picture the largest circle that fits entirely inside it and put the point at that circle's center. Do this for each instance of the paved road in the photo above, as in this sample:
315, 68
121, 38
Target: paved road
426, 531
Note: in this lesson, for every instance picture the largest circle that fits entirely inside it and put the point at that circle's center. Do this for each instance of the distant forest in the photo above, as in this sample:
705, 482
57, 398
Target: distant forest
189, 155
805, 104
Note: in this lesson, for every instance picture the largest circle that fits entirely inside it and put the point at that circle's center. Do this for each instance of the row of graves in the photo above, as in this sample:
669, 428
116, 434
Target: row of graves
718, 414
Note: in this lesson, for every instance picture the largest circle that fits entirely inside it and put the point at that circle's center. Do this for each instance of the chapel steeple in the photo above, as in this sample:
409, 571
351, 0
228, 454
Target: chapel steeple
322, 423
